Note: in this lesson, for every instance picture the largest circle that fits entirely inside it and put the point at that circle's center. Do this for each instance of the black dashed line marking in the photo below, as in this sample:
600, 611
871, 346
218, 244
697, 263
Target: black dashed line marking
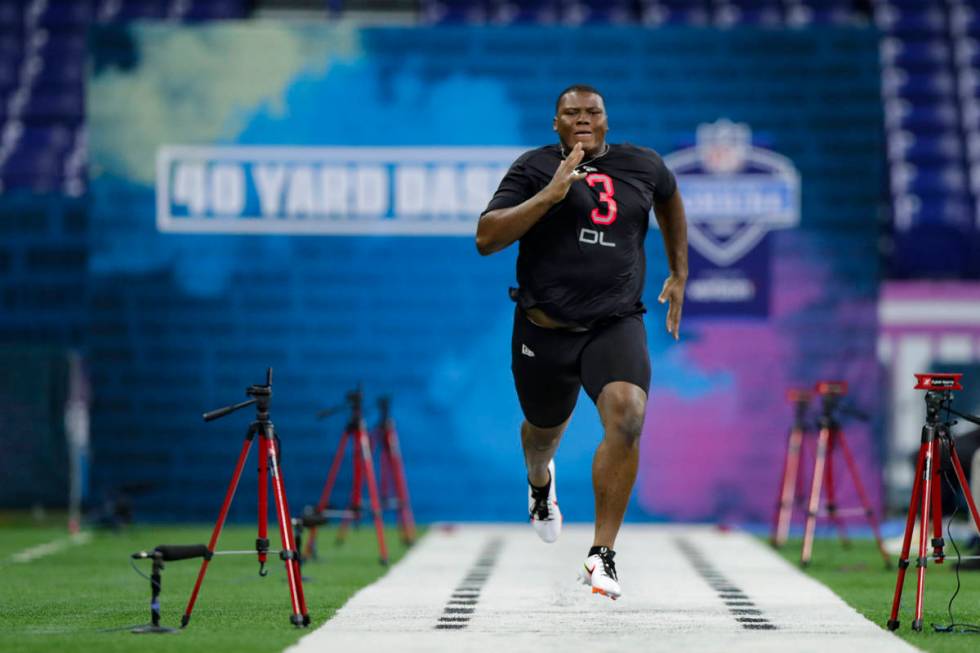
737, 602
467, 593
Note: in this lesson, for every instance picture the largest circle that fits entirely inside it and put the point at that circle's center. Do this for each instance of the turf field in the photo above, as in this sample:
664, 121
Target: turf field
859, 577
85, 596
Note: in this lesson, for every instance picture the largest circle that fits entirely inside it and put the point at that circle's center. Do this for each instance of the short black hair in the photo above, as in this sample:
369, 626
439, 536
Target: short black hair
577, 88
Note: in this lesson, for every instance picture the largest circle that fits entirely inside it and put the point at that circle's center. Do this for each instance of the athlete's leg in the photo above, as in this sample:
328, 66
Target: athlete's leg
540, 445
616, 374
545, 367
546, 376
621, 406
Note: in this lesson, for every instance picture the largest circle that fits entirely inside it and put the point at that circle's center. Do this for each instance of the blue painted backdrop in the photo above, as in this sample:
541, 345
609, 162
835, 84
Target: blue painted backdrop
181, 323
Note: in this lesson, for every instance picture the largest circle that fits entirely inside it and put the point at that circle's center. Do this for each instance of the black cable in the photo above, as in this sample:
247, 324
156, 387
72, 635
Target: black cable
970, 629
137, 570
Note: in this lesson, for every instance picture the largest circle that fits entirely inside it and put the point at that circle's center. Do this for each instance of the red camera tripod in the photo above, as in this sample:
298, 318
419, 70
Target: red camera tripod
357, 434
830, 438
936, 448
394, 486
269, 465
791, 485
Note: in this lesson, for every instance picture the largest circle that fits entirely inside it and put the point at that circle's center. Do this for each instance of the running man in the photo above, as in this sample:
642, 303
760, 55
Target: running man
580, 211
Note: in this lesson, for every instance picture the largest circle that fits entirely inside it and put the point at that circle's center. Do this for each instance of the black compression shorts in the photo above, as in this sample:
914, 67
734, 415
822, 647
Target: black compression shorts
550, 365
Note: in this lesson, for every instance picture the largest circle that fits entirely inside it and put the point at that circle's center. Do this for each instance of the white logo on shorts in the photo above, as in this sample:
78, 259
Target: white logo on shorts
526, 351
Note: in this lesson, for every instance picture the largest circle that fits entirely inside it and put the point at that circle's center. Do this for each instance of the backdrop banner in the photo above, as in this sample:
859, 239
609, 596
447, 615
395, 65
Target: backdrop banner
304, 197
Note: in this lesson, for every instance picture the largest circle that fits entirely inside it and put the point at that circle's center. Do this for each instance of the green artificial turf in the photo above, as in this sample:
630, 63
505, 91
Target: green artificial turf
85, 597
858, 575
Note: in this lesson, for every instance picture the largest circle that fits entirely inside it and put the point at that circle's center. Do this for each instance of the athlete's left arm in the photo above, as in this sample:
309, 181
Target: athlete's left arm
673, 225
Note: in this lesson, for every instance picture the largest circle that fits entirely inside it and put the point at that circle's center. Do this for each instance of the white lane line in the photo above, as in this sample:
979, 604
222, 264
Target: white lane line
532, 601
47, 548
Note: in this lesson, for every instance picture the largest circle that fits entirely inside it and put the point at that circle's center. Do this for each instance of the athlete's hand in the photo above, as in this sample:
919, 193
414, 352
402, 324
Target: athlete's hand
673, 294
566, 174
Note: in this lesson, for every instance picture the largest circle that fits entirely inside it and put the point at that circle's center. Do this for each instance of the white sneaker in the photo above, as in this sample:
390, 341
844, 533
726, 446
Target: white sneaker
600, 573
543, 509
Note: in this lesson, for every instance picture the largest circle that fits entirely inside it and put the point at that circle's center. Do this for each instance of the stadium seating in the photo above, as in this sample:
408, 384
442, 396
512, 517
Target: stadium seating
42, 71
42, 58
930, 57
930, 91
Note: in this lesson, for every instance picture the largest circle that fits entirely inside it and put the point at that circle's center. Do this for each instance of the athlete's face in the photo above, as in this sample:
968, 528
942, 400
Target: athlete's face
582, 119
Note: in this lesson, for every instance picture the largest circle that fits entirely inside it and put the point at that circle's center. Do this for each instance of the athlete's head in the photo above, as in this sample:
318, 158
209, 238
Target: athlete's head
580, 117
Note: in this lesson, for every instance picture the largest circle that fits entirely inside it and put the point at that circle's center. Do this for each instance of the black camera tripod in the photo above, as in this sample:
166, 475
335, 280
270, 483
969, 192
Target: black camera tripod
269, 464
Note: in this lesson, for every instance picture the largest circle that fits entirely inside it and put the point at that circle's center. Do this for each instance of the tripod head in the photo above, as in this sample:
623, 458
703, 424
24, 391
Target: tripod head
261, 395
353, 402
384, 408
833, 403
939, 389
800, 398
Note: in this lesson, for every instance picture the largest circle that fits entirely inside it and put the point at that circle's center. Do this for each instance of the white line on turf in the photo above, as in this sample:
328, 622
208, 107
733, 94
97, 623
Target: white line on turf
527, 598
54, 546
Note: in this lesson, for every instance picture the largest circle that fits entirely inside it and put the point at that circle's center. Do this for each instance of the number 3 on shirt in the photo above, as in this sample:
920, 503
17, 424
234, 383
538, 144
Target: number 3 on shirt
606, 196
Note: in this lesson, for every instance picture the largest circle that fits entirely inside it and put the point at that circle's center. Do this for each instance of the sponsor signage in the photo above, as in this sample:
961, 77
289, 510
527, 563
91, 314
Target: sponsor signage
326, 190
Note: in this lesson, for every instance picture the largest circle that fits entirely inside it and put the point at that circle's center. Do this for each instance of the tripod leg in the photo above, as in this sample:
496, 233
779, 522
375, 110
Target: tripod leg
338, 458
379, 448
814, 505
324, 501
300, 616
355, 493
787, 487
262, 543
863, 496
925, 503
835, 436
367, 467
938, 543
903, 558
232, 486
965, 487
799, 501
401, 485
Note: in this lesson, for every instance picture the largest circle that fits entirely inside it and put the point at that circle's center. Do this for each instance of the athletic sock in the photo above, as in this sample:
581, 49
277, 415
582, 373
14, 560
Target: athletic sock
599, 550
540, 491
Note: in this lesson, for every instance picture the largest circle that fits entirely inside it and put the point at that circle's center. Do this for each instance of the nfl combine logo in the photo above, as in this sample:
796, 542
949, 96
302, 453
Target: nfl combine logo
734, 194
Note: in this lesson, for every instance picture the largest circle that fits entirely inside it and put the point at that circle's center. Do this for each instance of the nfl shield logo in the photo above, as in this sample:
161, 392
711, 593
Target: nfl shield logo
734, 193
723, 145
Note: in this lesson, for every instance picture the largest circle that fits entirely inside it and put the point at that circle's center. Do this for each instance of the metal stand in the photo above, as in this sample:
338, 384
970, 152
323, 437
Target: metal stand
261, 396
159, 555
155, 586
356, 433
791, 483
937, 453
830, 438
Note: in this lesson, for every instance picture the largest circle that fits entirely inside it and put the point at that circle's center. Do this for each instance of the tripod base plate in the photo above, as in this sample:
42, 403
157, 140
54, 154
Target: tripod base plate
149, 628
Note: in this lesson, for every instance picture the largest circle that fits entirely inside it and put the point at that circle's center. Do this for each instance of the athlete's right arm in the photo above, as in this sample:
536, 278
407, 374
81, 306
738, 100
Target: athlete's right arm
500, 227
